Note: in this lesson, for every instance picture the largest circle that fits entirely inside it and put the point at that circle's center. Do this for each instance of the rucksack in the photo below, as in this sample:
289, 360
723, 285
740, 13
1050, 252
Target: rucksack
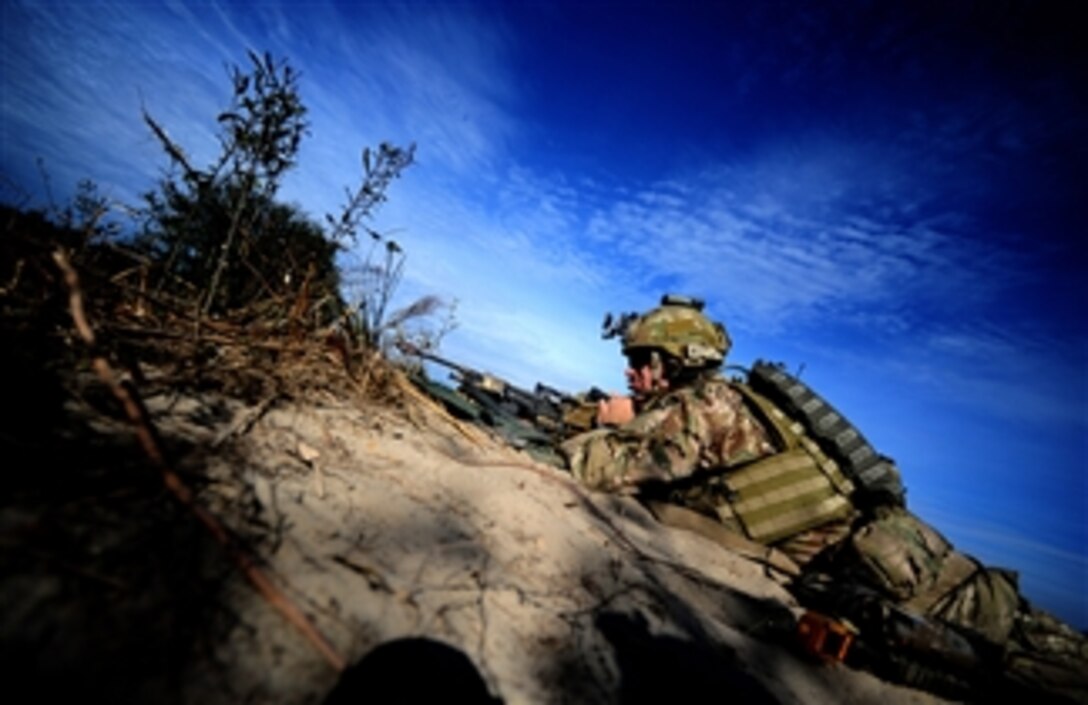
875, 477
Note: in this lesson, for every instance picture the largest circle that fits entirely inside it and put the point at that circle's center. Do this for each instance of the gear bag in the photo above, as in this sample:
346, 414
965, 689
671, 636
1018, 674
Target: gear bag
875, 476
909, 562
900, 555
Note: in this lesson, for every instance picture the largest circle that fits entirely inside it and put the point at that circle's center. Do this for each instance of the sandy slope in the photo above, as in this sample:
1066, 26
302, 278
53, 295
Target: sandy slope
436, 561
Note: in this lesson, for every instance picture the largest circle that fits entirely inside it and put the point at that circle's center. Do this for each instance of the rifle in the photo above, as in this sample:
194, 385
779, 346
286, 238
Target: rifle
545, 408
559, 398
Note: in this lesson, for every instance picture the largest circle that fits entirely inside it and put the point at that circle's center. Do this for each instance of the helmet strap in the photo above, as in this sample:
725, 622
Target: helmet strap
660, 371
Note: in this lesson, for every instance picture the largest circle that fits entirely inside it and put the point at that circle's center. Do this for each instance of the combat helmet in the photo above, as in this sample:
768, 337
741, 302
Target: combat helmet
679, 328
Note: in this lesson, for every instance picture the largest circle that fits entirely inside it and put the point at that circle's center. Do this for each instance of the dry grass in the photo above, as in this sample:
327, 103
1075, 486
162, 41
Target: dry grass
97, 524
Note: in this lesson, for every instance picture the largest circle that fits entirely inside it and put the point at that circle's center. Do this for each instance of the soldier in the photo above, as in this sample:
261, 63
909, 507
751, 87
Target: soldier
726, 453
684, 424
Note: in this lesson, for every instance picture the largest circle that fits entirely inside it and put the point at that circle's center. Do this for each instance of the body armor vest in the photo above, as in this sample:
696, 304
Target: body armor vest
796, 489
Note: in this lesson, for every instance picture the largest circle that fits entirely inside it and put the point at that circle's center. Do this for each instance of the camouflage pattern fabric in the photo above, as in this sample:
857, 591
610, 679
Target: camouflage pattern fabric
682, 331
897, 554
909, 564
580, 416
803, 547
919, 591
898, 557
985, 603
697, 427
1048, 654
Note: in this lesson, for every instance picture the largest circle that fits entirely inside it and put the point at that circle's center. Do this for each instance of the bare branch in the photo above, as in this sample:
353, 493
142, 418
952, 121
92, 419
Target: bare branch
172, 149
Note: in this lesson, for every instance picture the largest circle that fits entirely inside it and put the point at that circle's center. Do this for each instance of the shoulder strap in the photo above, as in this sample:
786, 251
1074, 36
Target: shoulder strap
786, 432
792, 436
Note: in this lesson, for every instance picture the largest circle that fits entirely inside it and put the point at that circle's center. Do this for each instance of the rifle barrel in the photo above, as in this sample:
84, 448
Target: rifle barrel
442, 361
543, 401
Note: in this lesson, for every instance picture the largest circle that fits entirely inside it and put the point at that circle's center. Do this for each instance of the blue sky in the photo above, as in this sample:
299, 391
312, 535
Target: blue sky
887, 193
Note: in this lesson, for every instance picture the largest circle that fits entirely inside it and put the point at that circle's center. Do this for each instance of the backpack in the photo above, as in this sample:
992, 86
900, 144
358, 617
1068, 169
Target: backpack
875, 477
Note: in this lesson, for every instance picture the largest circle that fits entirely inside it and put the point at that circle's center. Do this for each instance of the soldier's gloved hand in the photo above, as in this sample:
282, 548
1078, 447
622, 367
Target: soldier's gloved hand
615, 411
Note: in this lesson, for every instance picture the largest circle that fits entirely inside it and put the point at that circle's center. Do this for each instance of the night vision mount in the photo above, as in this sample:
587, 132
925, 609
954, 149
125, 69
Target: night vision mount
615, 325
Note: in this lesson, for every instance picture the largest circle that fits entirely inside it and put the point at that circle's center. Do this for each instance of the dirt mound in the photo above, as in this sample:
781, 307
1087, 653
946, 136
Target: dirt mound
407, 539
258, 523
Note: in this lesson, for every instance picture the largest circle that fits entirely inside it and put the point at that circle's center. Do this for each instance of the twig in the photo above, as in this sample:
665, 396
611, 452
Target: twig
172, 149
11, 285
246, 422
137, 414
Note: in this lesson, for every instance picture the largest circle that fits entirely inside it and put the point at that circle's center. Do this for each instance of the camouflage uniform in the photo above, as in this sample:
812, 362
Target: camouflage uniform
893, 553
705, 424
701, 426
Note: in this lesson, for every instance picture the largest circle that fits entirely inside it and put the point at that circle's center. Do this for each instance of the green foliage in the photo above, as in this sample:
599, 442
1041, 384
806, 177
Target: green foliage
218, 232
273, 253
372, 283
223, 241
216, 239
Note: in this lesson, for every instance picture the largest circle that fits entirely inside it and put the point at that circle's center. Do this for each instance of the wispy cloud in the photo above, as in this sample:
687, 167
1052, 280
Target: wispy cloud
85, 127
745, 234
797, 232
1020, 374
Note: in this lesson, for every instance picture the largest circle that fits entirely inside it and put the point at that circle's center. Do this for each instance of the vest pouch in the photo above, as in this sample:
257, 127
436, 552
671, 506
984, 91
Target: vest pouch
899, 555
782, 495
